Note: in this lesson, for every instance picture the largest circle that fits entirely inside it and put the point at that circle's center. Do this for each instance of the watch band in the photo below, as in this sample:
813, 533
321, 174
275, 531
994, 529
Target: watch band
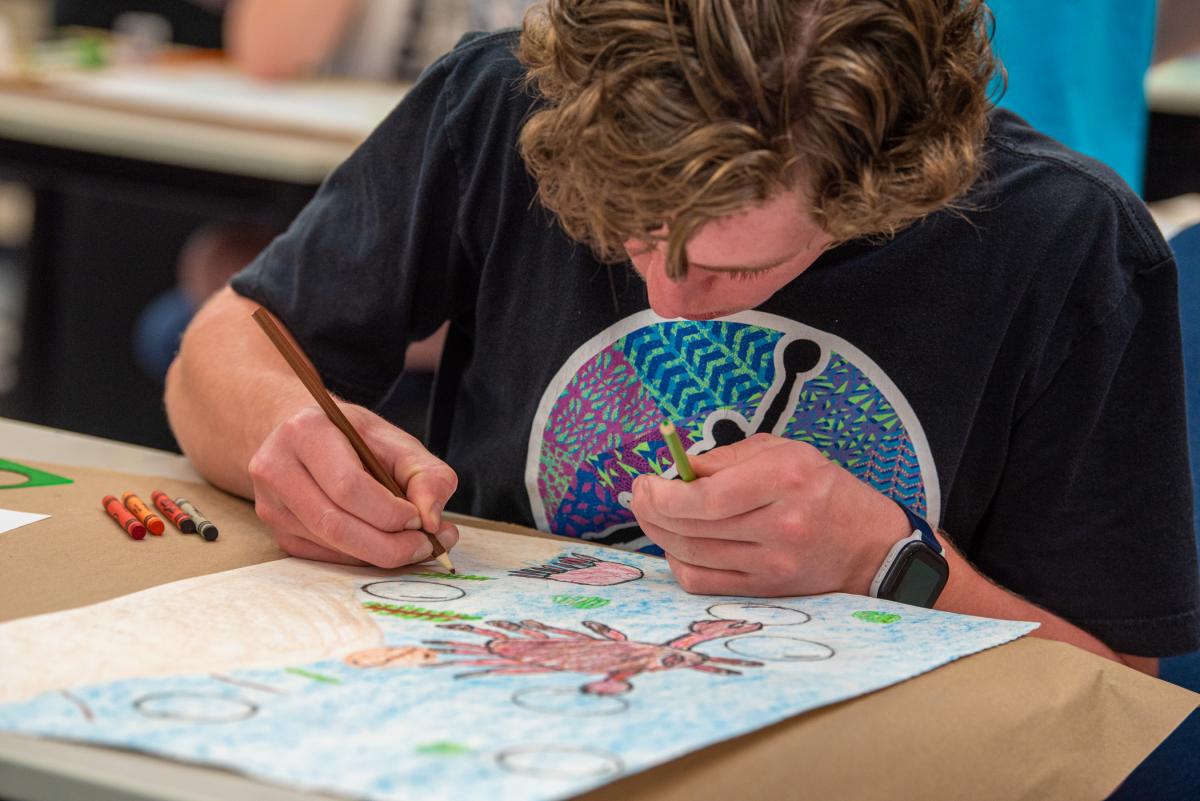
921, 532
920, 526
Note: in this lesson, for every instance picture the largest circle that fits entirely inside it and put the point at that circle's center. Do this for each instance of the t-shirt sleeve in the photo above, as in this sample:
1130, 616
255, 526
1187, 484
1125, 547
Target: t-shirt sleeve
1093, 520
376, 259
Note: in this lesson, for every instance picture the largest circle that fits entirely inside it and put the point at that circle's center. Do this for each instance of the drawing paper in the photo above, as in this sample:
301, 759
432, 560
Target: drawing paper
10, 519
530, 675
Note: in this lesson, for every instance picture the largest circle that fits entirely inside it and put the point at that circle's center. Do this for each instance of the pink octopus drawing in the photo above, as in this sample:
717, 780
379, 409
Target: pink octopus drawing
534, 647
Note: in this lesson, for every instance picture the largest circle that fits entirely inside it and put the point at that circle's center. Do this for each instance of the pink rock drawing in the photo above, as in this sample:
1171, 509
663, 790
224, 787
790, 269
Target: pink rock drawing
578, 568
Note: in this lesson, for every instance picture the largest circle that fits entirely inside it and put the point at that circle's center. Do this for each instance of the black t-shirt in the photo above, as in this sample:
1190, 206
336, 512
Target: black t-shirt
1012, 372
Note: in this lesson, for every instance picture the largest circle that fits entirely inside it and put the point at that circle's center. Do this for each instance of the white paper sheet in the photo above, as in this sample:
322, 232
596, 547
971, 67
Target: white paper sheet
10, 519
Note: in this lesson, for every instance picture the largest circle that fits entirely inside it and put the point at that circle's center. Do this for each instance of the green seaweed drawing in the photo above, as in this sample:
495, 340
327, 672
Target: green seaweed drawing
459, 576
443, 748
581, 601
883, 618
308, 674
415, 612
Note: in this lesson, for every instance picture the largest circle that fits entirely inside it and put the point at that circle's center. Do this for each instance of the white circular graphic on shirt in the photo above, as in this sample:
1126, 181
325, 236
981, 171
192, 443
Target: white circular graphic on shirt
720, 381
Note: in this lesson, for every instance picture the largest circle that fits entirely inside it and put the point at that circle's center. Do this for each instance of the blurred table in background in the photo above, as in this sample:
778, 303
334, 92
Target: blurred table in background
1173, 146
124, 164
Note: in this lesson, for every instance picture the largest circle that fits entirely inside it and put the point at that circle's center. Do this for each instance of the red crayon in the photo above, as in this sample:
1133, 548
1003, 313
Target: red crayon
181, 519
117, 511
142, 512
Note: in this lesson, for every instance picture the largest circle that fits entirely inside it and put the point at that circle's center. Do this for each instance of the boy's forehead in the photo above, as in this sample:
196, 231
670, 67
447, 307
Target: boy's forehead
772, 232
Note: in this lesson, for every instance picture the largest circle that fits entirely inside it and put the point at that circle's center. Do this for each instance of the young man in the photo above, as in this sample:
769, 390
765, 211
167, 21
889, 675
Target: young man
858, 286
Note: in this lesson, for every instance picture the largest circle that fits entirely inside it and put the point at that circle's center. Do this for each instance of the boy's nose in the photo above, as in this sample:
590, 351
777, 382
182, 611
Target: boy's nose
676, 298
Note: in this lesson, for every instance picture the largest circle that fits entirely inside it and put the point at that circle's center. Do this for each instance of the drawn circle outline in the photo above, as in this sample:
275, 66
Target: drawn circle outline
144, 706
412, 598
734, 605
521, 699
739, 645
557, 756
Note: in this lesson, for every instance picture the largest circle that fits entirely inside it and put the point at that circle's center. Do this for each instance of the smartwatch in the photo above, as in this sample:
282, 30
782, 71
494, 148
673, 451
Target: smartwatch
914, 571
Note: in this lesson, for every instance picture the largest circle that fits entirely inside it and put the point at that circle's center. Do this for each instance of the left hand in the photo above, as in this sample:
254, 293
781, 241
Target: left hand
769, 517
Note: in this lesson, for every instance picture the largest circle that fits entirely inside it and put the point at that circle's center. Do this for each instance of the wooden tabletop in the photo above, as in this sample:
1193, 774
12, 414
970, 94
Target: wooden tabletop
212, 121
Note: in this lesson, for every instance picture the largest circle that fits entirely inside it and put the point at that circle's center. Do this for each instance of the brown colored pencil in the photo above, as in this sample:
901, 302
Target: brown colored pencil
308, 376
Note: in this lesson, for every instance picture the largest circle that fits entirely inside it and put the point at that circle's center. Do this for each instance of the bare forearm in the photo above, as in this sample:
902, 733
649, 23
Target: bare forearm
970, 592
227, 390
1178, 29
284, 38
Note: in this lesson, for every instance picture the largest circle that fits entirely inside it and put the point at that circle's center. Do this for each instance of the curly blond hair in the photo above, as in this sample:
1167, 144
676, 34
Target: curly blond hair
678, 112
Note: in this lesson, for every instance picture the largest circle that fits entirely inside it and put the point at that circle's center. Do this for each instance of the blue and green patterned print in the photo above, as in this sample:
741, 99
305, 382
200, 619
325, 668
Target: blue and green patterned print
603, 430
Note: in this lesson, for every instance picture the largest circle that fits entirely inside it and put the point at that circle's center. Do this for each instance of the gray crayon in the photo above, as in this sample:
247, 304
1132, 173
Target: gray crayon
204, 526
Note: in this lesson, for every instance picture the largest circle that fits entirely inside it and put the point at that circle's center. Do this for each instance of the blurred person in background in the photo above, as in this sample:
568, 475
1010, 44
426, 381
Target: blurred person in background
195, 23
1076, 70
292, 39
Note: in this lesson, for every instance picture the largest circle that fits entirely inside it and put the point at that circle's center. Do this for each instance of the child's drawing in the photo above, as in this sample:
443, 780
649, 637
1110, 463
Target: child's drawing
780, 648
249, 685
538, 648
400, 656
357, 682
766, 614
451, 576
193, 707
578, 568
84, 709
559, 762
406, 589
581, 601
569, 702
409, 612
287, 612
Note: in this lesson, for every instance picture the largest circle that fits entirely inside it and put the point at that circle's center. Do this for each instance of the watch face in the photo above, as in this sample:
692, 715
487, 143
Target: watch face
917, 576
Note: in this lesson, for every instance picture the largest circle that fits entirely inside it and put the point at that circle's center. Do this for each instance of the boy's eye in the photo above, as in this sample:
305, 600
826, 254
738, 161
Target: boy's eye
746, 275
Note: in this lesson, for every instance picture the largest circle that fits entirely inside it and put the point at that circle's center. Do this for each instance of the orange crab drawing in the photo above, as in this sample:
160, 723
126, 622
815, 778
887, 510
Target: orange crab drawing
533, 647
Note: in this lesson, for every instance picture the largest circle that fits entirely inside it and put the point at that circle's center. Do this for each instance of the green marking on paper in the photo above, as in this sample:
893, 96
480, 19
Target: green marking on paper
443, 749
877, 617
459, 576
308, 674
33, 476
415, 612
581, 601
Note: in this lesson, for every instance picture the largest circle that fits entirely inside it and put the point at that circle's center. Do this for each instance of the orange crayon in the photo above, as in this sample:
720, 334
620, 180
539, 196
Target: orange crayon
117, 511
142, 512
181, 519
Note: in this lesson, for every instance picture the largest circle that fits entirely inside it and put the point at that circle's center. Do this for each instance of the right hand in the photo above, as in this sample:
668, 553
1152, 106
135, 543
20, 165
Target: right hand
321, 503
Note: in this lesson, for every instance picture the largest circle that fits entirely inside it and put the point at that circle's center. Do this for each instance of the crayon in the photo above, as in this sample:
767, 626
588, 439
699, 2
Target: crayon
117, 511
677, 452
180, 519
204, 526
142, 512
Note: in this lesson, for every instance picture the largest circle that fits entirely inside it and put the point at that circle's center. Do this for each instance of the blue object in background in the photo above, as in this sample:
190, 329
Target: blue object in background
1172, 771
158, 330
1186, 245
1076, 71
1185, 670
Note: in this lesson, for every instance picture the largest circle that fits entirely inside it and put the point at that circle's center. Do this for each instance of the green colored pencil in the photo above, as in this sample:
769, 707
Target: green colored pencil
677, 452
